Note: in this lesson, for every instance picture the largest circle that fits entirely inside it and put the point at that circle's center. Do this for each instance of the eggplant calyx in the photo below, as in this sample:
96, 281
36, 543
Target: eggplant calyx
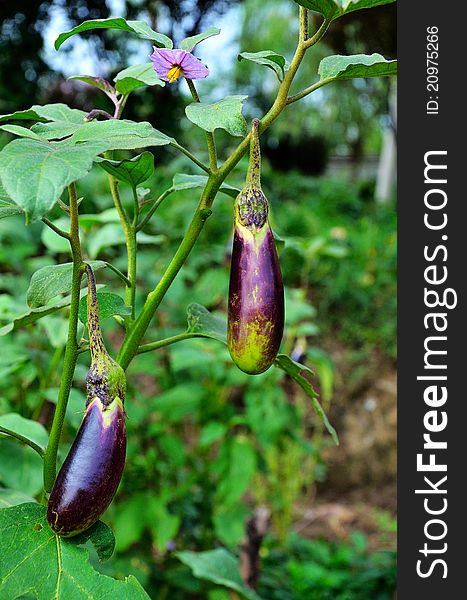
106, 378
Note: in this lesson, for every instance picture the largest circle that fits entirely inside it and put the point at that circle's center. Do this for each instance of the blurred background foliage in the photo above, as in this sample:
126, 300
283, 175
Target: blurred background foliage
208, 444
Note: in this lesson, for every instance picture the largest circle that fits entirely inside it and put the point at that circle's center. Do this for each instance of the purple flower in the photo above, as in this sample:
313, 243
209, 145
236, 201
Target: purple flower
172, 64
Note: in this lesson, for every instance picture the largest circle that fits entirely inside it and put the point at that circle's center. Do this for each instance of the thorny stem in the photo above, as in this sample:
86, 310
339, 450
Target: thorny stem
254, 167
71, 348
209, 135
96, 343
216, 177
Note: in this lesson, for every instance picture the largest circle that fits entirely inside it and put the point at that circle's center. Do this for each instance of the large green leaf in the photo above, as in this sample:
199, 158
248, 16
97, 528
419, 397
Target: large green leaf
135, 77
109, 305
140, 28
36, 561
34, 173
356, 65
225, 114
295, 370
131, 170
30, 432
33, 315
220, 567
50, 281
332, 9
267, 58
48, 112
183, 181
190, 42
201, 322
119, 135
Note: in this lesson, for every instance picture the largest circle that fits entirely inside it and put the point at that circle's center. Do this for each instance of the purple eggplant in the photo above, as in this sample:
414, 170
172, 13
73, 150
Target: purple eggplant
89, 477
256, 294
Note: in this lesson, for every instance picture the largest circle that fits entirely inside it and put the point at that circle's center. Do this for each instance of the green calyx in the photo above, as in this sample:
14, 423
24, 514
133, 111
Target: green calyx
105, 379
251, 205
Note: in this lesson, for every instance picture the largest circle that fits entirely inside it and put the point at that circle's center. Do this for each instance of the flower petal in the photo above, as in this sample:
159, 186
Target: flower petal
193, 68
162, 61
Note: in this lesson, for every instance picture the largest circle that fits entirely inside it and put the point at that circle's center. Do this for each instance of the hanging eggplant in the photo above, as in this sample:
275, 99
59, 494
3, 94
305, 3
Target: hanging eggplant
256, 294
89, 477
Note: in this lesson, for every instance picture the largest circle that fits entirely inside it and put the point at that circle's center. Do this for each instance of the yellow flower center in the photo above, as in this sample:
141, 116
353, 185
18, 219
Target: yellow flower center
174, 73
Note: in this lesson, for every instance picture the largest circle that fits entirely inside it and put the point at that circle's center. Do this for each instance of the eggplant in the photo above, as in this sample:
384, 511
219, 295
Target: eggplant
256, 293
89, 477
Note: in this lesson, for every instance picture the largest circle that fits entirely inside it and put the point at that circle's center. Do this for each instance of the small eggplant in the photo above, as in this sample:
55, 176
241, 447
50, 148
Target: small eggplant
256, 294
89, 477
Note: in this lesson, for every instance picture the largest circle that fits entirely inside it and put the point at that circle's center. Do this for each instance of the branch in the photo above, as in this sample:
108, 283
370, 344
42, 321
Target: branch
71, 348
309, 90
191, 156
23, 439
167, 341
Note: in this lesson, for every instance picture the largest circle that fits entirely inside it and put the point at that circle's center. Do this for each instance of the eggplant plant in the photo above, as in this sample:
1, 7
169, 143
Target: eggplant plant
53, 149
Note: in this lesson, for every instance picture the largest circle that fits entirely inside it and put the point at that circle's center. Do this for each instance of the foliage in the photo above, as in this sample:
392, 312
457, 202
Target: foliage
206, 443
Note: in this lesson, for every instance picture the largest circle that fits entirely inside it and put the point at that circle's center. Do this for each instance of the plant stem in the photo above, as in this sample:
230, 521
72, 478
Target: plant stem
154, 207
58, 231
23, 439
309, 90
167, 341
130, 239
123, 277
71, 348
209, 135
191, 156
132, 340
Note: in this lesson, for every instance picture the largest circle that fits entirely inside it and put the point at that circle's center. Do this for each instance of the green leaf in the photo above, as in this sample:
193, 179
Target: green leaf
46, 169
30, 432
295, 370
10, 497
109, 305
50, 281
190, 42
33, 315
119, 135
101, 537
48, 112
218, 566
35, 561
98, 82
133, 171
135, 77
267, 58
225, 114
182, 181
356, 65
202, 322
240, 468
140, 28
20, 131
332, 9
8, 209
